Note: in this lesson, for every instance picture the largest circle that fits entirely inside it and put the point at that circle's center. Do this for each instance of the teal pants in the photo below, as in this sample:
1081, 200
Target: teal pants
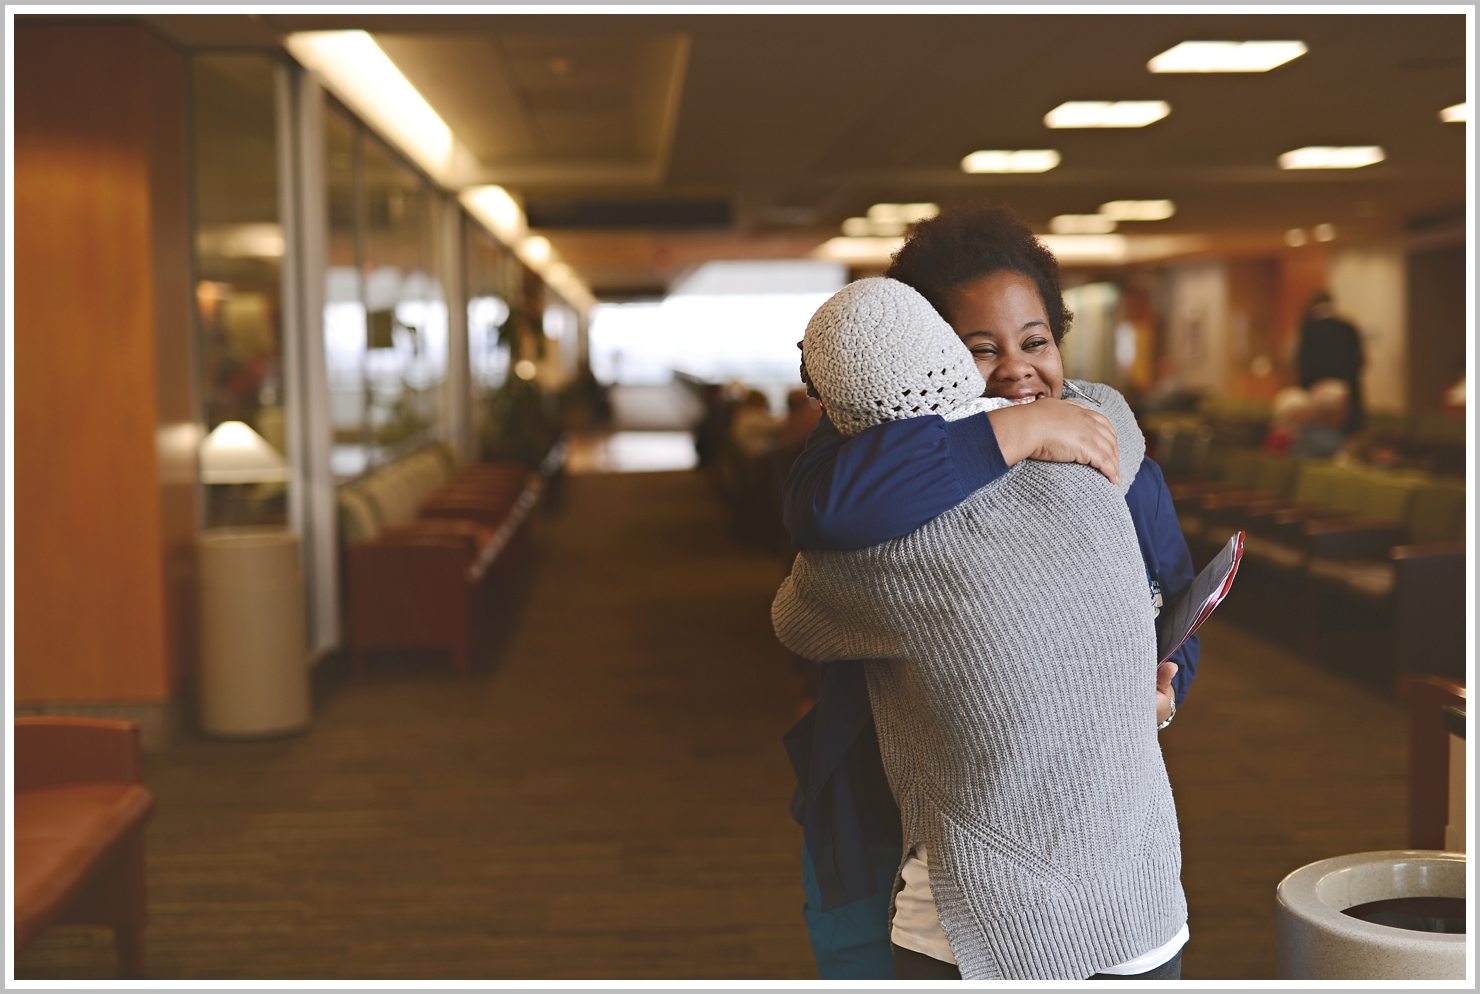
851, 942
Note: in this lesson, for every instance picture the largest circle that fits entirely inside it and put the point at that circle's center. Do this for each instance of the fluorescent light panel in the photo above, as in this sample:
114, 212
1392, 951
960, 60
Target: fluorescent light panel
1332, 157
360, 72
1081, 224
902, 213
1226, 56
859, 250
495, 208
535, 250
1025, 160
1086, 248
1138, 210
1458, 114
1107, 113
862, 227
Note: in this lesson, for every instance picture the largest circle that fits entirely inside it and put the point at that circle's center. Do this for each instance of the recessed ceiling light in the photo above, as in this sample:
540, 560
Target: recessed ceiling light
1138, 210
1458, 114
858, 250
500, 212
1332, 157
1081, 224
902, 213
1107, 113
1226, 56
536, 250
1086, 248
1324, 232
1295, 238
862, 227
1025, 160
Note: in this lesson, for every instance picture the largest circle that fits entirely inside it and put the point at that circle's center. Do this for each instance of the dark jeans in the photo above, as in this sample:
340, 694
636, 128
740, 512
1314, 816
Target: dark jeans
910, 965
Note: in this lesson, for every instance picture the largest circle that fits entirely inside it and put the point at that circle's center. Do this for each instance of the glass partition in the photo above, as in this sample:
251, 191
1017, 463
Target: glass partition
492, 275
239, 245
385, 317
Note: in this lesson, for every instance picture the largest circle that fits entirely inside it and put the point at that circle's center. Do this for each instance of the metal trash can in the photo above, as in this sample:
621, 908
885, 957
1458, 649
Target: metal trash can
253, 633
1374, 915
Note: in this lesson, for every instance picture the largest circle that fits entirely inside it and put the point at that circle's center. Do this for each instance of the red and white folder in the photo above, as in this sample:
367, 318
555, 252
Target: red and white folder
1206, 593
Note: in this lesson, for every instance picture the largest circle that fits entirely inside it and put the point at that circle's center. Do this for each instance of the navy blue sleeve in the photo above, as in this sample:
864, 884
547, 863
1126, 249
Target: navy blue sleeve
850, 493
1168, 561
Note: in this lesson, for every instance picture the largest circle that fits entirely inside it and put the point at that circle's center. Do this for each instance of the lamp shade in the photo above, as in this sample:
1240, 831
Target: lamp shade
234, 453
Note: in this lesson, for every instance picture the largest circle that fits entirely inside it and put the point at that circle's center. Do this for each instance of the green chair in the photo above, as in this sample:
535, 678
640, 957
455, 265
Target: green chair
1392, 580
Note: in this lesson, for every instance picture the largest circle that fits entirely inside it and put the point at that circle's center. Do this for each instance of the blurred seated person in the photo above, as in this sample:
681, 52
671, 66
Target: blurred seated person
1289, 412
753, 426
1168, 392
802, 414
1324, 432
1454, 397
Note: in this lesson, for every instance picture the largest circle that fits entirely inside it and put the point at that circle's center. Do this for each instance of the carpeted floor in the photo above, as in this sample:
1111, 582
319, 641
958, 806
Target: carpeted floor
607, 799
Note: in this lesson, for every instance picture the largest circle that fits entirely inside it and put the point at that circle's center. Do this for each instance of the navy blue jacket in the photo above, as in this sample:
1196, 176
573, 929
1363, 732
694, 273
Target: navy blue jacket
846, 493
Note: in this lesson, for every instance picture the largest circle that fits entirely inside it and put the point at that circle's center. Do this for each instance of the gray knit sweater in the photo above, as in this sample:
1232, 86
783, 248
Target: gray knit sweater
1013, 656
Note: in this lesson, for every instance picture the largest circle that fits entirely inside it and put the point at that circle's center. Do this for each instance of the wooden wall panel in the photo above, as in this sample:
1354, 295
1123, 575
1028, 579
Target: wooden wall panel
177, 411
1436, 323
90, 616
1303, 271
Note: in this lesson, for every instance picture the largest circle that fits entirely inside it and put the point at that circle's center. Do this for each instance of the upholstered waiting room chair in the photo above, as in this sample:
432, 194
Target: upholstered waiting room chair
80, 815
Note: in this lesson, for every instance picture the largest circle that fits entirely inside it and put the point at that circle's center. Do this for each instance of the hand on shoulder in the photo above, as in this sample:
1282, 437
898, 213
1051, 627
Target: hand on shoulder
1058, 431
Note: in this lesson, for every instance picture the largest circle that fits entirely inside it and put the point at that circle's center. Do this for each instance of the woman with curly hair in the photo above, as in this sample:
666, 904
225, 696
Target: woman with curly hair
998, 288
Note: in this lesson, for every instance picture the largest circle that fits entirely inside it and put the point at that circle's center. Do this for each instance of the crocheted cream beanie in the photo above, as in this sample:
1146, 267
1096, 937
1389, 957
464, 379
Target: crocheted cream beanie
877, 351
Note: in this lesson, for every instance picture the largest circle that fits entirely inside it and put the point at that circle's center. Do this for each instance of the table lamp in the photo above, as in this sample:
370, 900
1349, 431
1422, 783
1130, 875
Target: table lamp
234, 453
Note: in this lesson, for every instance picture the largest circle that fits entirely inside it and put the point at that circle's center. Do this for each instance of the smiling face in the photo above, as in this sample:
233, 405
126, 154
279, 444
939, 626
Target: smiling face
1001, 319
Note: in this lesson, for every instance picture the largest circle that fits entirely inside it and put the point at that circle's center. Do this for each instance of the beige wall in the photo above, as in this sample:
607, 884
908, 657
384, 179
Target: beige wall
102, 356
1369, 284
1195, 301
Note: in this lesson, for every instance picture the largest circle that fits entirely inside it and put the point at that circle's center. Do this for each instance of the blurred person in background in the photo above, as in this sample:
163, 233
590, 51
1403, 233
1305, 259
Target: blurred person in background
1168, 392
1454, 397
1323, 432
753, 426
982, 269
1330, 347
1289, 412
802, 415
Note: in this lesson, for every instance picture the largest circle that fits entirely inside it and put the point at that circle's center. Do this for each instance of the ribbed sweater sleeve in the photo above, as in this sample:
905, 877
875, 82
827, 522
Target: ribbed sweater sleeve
850, 493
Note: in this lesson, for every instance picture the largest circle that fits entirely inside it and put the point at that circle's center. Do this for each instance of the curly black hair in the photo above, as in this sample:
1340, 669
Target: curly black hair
964, 243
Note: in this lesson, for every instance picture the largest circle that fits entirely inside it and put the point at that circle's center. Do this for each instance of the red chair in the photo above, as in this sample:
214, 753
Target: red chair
80, 815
